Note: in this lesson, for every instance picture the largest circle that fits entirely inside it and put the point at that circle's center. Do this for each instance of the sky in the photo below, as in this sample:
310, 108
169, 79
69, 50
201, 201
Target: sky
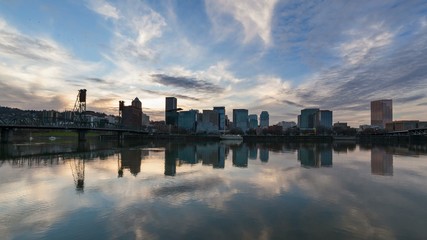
275, 55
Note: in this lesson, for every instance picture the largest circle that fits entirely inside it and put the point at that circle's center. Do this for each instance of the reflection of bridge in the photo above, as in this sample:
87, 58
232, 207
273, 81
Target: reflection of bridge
77, 122
80, 127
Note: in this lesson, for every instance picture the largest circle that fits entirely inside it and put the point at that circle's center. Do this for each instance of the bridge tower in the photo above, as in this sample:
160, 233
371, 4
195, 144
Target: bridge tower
80, 106
78, 170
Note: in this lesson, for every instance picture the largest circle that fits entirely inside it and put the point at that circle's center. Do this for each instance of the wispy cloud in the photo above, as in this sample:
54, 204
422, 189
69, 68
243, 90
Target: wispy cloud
168, 94
253, 18
38, 66
104, 8
186, 83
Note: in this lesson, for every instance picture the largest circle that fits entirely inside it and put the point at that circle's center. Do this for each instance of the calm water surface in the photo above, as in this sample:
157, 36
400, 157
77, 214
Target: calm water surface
227, 190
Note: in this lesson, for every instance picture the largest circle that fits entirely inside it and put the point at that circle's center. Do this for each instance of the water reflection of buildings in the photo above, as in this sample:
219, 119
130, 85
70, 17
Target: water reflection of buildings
131, 159
240, 156
263, 154
381, 162
318, 155
171, 156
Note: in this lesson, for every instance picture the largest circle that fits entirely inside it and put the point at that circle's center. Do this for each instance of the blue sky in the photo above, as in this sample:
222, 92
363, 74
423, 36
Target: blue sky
279, 56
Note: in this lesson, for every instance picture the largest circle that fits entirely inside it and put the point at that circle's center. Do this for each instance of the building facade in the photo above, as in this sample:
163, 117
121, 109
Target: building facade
325, 118
187, 120
253, 121
240, 119
131, 115
308, 118
381, 112
221, 117
208, 122
264, 119
171, 114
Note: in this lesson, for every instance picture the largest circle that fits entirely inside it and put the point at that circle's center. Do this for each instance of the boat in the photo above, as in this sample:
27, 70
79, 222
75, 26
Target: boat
231, 137
52, 138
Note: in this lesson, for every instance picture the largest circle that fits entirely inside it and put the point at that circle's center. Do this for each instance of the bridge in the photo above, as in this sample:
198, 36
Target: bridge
410, 132
78, 122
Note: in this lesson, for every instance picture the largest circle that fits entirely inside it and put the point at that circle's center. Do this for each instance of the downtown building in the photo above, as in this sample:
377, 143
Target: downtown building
131, 115
187, 120
381, 112
253, 121
240, 119
221, 118
264, 119
171, 111
207, 122
313, 118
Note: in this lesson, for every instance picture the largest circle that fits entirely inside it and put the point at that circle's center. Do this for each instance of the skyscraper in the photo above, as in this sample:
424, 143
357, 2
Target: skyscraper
264, 119
381, 112
240, 119
308, 118
253, 121
171, 115
221, 117
325, 118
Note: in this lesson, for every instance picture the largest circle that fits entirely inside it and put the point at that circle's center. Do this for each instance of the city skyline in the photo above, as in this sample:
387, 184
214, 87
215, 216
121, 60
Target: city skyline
276, 56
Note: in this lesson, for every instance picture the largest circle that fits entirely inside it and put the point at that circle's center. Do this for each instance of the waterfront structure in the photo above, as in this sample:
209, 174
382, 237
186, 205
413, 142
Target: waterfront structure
381, 112
285, 125
308, 119
253, 121
171, 115
312, 118
264, 119
208, 122
188, 120
240, 119
131, 115
221, 117
145, 119
325, 118
401, 125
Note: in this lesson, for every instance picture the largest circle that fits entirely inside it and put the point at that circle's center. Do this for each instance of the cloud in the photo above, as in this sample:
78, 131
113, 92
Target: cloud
164, 94
97, 80
36, 67
293, 103
187, 83
253, 17
103, 8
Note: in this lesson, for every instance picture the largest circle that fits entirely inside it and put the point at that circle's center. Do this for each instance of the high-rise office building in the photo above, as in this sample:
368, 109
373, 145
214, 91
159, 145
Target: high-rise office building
325, 118
240, 119
188, 120
308, 118
253, 121
264, 119
171, 114
311, 118
208, 121
221, 117
381, 112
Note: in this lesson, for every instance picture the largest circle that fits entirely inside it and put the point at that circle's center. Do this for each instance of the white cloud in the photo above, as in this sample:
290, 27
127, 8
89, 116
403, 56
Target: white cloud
103, 8
253, 16
358, 47
38, 71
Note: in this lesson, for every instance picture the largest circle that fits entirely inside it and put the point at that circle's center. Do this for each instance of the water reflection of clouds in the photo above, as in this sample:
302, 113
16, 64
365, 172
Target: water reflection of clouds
150, 205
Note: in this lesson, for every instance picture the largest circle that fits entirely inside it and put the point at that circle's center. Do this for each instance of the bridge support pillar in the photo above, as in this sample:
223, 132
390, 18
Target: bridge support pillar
120, 138
82, 135
5, 135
